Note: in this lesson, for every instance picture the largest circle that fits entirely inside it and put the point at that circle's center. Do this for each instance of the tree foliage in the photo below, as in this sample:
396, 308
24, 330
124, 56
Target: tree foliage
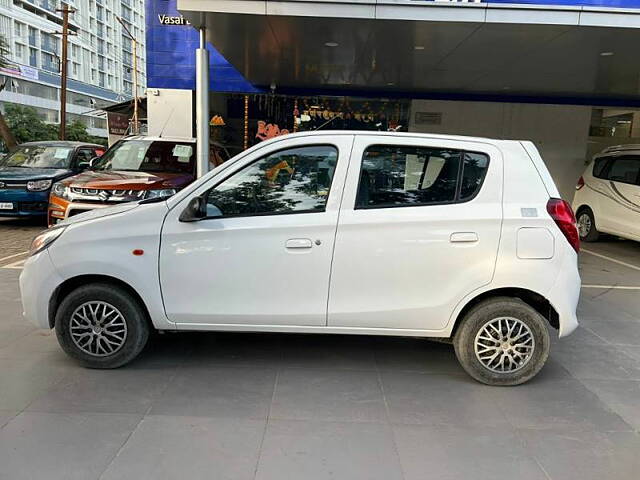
27, 126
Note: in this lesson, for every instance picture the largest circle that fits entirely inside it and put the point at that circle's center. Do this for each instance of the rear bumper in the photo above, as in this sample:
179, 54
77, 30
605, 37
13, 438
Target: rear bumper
565, 294
38, 282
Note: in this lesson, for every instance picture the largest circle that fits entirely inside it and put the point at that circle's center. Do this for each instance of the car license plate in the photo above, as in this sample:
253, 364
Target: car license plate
6, 206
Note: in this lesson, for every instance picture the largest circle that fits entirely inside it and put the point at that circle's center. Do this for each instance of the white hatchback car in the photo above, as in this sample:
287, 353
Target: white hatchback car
327, 232
607, 197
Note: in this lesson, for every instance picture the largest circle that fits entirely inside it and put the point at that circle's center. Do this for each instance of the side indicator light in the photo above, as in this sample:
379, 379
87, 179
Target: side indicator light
137, 252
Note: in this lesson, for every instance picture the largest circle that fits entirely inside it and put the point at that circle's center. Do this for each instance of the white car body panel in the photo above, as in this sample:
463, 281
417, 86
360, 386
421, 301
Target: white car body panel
236, 274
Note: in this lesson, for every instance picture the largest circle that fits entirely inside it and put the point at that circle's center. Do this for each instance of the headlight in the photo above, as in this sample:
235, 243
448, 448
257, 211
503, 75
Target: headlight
39, 185
45, 239
164, 192
59, 190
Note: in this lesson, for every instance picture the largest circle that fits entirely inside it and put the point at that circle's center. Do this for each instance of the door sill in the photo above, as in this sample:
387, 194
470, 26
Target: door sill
231, 327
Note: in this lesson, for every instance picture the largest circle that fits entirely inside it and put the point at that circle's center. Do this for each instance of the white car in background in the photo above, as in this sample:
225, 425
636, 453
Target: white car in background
607, 197
327, 232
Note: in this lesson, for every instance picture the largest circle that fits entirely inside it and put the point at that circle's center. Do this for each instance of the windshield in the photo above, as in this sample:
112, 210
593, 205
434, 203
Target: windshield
39, 156
148, 156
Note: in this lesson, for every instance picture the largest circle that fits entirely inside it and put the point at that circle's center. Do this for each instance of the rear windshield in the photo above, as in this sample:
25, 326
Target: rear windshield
148, 156
38, 156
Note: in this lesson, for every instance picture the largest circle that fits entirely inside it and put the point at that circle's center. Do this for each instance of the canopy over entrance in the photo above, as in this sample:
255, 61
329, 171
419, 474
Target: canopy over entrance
555, 54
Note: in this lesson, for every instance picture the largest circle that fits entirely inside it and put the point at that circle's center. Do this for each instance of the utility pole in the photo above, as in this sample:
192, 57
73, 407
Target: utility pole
66, 10
134, 46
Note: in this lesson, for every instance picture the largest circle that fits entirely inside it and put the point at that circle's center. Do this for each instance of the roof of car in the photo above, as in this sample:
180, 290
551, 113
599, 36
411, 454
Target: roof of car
620, 148
160, 139
61, 143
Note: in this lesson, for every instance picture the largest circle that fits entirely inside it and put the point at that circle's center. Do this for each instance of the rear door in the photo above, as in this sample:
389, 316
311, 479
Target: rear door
623, 205
419, 229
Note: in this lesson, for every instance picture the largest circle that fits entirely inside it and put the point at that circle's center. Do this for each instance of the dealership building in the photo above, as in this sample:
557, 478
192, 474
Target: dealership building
562, 73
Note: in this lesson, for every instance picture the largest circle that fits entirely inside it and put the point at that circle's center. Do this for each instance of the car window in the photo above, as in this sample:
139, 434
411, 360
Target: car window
393, 176
287, 181
599, 167
38, 156
474, 168
625, 169
84, 155
149, 156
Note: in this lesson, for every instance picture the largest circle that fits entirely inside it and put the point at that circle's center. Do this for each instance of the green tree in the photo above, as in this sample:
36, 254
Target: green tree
7, 137
26, 125
77, 131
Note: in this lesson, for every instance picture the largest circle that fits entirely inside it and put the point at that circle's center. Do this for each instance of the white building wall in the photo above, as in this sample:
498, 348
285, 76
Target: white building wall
560, 132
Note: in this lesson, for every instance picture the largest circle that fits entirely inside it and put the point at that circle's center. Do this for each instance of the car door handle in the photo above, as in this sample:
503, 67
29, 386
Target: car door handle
463, 237
299, 243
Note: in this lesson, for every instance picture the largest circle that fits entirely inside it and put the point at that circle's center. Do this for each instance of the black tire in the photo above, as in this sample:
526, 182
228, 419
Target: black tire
592, 234
480, 316
132, 314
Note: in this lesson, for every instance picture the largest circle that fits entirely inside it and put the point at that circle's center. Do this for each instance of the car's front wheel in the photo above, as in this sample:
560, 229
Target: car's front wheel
502, 341
101, 326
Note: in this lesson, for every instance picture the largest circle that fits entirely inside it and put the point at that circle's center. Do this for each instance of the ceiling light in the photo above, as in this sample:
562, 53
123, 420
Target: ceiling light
606, 54
418, 47
331, 44
390, 84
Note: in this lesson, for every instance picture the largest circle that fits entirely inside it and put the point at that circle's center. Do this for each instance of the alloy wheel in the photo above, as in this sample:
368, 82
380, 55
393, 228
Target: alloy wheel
504, 345
98, 328
584, 225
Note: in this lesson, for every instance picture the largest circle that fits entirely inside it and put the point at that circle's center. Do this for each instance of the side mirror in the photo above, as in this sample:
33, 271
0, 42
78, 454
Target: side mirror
195, 210
93, 161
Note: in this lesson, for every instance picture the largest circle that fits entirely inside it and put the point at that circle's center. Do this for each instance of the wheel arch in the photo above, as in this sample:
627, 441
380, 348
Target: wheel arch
536, 301
69, 285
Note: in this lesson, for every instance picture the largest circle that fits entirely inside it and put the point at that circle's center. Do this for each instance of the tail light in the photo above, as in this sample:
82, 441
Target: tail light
580, 183
562, 214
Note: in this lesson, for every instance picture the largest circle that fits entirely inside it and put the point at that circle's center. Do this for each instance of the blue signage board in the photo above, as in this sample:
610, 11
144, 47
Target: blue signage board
171, 45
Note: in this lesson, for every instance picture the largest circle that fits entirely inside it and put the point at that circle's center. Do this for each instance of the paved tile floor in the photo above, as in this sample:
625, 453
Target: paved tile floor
245, 406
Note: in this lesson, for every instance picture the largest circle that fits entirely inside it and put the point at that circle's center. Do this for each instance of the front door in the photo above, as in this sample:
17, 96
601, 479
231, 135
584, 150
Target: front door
419, 229
263, 256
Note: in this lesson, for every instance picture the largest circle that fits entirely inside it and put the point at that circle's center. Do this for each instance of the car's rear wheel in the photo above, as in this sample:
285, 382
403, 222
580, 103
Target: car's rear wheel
101, 326
587, 226
502, 341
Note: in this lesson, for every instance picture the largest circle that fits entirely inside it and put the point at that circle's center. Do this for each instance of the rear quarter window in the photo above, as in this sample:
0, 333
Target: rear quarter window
599, 167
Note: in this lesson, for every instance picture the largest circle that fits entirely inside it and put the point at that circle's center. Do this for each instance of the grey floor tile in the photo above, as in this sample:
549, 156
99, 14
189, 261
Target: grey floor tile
585, 455
556, 405
416, 355
596, 362
633, 352
621, 396
191, 448
24, 380
327, 450
234, 349
61, 446
329, 351
124, 390
6, 416
449, 452
34, 343
328, 395
242, 392
415, 398
622, 332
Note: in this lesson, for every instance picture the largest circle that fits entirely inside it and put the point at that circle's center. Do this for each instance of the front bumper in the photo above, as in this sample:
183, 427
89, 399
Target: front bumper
25, 203
38, 282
